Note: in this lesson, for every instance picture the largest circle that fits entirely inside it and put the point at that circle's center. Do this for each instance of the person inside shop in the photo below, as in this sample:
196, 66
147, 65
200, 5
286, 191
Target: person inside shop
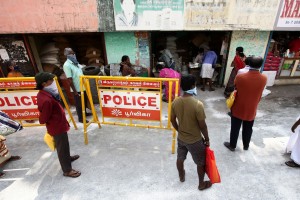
126, 68
53, 116
294, 45
12, 69
237, 64
207, 70
166, 72
199, 57
128, 17
73, 71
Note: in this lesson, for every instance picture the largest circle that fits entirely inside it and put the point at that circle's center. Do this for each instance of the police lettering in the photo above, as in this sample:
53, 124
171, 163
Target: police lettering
18, 101
130, 101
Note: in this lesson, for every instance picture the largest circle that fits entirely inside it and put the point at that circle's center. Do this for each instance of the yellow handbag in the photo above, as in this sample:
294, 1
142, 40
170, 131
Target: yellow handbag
49, 140
230, 100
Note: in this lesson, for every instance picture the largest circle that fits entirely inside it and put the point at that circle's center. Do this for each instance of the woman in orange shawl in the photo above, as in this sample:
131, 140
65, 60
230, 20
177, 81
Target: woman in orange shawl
237, 64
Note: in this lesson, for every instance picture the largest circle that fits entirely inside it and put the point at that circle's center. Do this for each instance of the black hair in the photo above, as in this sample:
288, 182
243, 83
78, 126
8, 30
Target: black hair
39, 86
200, 50
187, 82
256, 62
248, 60
123, 59
240, 49
123, 0
241, 54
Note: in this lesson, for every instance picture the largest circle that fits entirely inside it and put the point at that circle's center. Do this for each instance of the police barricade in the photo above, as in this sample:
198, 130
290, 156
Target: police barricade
128, 99
18, 99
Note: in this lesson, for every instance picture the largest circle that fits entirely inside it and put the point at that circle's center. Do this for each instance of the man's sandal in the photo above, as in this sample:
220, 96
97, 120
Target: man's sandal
292, 164
206, 185
75, 157
73, 173
14, 158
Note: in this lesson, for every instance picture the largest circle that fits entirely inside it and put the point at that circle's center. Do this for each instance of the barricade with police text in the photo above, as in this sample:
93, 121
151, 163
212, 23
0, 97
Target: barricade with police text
18, 99
124, 100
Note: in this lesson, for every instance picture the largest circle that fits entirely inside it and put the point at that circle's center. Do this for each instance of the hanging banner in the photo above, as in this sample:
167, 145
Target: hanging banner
148, 14
20, 104
130, 104
130, 83
288, 16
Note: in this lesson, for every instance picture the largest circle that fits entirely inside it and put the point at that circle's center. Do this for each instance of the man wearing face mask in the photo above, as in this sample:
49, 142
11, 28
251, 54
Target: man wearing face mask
53, 115
191, 128
12, 69
73, 71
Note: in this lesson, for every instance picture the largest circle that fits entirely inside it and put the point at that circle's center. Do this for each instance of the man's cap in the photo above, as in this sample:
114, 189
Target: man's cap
43, 77
67, 51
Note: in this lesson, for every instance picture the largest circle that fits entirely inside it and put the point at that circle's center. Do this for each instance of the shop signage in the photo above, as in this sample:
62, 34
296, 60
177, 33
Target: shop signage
131, 83
19, 105
130, 105
149, 14
288, 16
17, 84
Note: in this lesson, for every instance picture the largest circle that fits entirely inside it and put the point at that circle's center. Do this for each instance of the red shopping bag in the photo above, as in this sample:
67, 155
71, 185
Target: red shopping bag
211, 167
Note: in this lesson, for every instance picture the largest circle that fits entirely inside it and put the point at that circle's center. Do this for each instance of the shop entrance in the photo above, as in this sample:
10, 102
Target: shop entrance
283, 55
89, 49
179, 50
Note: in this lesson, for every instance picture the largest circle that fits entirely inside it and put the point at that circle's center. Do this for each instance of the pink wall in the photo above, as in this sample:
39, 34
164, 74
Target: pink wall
36, 16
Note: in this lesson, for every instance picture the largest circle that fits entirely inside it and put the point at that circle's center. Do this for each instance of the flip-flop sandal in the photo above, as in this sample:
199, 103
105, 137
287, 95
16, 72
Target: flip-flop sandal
292, 164
2, 174
73, 174
207, 184
75, 157
14, 158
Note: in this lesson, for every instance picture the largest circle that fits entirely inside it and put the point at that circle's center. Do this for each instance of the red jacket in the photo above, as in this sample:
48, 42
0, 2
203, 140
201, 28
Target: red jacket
249, 88
52, 114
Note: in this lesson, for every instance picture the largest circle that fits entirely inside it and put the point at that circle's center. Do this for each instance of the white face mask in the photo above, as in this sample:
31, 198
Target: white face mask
52, 89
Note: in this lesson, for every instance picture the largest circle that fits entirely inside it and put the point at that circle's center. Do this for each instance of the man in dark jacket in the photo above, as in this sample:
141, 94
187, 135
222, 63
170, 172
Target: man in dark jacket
53, 115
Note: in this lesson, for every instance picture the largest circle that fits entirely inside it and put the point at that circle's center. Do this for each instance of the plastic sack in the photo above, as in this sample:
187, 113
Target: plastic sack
49, 140
211, 167
7, 125
230, 100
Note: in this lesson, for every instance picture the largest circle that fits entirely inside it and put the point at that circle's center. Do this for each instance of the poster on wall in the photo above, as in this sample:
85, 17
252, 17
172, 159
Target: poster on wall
229, 15
288, 16
148, 14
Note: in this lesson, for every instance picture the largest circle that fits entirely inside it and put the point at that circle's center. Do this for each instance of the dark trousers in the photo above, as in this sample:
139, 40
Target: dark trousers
235, 129
79, 104
63, 151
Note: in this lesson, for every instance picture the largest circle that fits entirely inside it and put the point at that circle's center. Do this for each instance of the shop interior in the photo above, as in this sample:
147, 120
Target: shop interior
183, 48
283, 57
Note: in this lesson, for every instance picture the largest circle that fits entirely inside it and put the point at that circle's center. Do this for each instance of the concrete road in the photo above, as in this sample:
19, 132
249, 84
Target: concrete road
135, 163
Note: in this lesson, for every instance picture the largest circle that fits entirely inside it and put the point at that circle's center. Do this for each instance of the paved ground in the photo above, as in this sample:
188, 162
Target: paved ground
135, 163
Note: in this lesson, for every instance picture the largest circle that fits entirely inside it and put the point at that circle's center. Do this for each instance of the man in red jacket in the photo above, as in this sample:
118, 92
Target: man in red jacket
249, 88
53, 115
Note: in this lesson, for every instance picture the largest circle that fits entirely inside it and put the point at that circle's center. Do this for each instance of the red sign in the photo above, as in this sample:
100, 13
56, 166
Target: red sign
123, 83
131, 105
18, 84
19, 104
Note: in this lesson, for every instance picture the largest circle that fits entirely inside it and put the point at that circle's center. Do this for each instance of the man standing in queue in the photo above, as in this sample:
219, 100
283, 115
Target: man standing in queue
191, 128
249, 87
53, 115
73, 72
